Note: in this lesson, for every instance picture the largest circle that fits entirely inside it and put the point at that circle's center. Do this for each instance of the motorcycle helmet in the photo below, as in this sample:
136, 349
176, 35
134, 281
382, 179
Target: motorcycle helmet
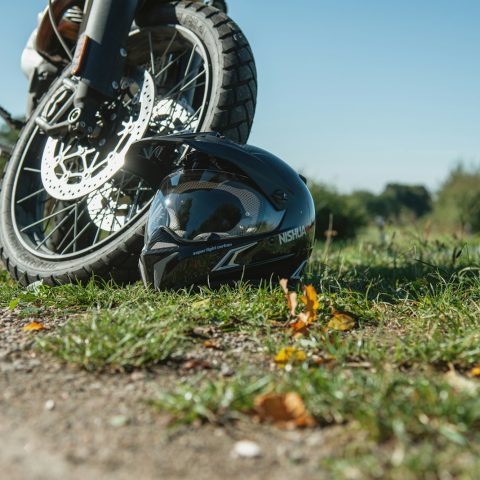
222, 213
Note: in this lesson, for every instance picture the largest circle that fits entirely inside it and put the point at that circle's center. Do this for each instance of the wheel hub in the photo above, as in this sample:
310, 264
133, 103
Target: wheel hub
71, 171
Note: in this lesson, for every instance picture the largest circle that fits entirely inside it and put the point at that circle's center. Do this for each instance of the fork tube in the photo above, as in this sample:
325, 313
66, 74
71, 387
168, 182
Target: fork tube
99, 57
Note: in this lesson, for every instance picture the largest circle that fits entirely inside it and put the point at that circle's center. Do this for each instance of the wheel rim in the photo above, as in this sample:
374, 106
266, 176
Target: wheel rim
60, 224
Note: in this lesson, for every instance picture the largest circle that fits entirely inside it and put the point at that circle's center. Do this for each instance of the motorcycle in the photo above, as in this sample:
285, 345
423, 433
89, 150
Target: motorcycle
112, 72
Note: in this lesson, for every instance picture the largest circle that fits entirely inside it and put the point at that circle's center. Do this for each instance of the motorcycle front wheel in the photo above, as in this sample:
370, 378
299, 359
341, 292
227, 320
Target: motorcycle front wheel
68, 210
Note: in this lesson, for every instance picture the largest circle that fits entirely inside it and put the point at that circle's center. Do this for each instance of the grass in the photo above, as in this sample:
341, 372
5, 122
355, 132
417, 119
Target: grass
397, 385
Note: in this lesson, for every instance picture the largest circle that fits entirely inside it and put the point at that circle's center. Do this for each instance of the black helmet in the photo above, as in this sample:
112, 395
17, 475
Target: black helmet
224, 213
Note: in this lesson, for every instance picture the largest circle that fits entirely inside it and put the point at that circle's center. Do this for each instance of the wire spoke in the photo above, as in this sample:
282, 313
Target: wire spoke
99, 229
28, 197
164, 69
45, 240
67, 235
46, 218
75, 224
181, 84
74, 241
152, 54
134, 206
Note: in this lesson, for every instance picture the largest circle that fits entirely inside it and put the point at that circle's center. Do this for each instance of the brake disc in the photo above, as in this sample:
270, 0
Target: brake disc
71, 171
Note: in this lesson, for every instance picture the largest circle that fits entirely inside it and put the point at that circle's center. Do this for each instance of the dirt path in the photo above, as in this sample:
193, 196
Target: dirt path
56, 422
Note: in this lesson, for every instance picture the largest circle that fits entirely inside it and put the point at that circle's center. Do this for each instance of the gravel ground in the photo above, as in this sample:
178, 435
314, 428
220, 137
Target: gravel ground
57, 422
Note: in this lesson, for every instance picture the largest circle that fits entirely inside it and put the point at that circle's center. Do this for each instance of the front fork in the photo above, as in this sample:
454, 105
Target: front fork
99, 60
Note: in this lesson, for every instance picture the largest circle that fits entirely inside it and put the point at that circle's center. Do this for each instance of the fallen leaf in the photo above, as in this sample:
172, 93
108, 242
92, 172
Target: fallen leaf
341, 321
292, 303
284, 410
213, 344
310, 300
196, 364
323, 359
290, 296
475, 371
300, 325
289, 355
284, 285
33, 327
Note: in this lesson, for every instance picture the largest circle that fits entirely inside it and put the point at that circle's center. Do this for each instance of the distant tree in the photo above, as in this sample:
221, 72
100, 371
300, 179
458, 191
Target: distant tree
347, 214
458, 200
7, 138
7, 135
373, 204
398, 199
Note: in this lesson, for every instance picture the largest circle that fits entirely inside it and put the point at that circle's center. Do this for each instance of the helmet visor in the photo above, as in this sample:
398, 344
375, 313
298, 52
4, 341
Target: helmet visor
199, 204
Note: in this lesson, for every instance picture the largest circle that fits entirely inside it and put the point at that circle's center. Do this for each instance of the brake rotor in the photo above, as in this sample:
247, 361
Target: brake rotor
72, 171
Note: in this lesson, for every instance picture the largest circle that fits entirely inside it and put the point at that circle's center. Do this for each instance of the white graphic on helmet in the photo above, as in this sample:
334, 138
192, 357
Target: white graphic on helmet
291, 235
228, 261
298, 272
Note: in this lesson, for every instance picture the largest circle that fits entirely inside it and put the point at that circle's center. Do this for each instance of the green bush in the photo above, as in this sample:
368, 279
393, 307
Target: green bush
347, 214
397, 202
458, 200
8, 138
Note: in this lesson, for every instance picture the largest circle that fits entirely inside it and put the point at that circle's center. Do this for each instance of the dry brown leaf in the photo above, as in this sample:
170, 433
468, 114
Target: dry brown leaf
289, 355
292, 303
475, 371
290, 296
284, 285
324, 359
341, 321
284, 410
34, 327
310, 300
196, 364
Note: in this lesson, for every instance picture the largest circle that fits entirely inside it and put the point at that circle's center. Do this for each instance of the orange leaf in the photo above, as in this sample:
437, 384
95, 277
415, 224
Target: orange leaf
475, 371
341, 321
33, 327
309, 298
284, 410
301, 324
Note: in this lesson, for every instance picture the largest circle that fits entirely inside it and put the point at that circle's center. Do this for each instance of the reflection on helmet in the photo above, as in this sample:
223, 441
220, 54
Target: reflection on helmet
203, 204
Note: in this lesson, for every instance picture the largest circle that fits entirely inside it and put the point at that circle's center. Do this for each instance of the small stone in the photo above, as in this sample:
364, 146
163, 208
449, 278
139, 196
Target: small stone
246, 449
226, 371
49, 405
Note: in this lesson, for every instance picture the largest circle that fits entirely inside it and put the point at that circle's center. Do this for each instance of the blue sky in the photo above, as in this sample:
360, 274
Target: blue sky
353, 93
